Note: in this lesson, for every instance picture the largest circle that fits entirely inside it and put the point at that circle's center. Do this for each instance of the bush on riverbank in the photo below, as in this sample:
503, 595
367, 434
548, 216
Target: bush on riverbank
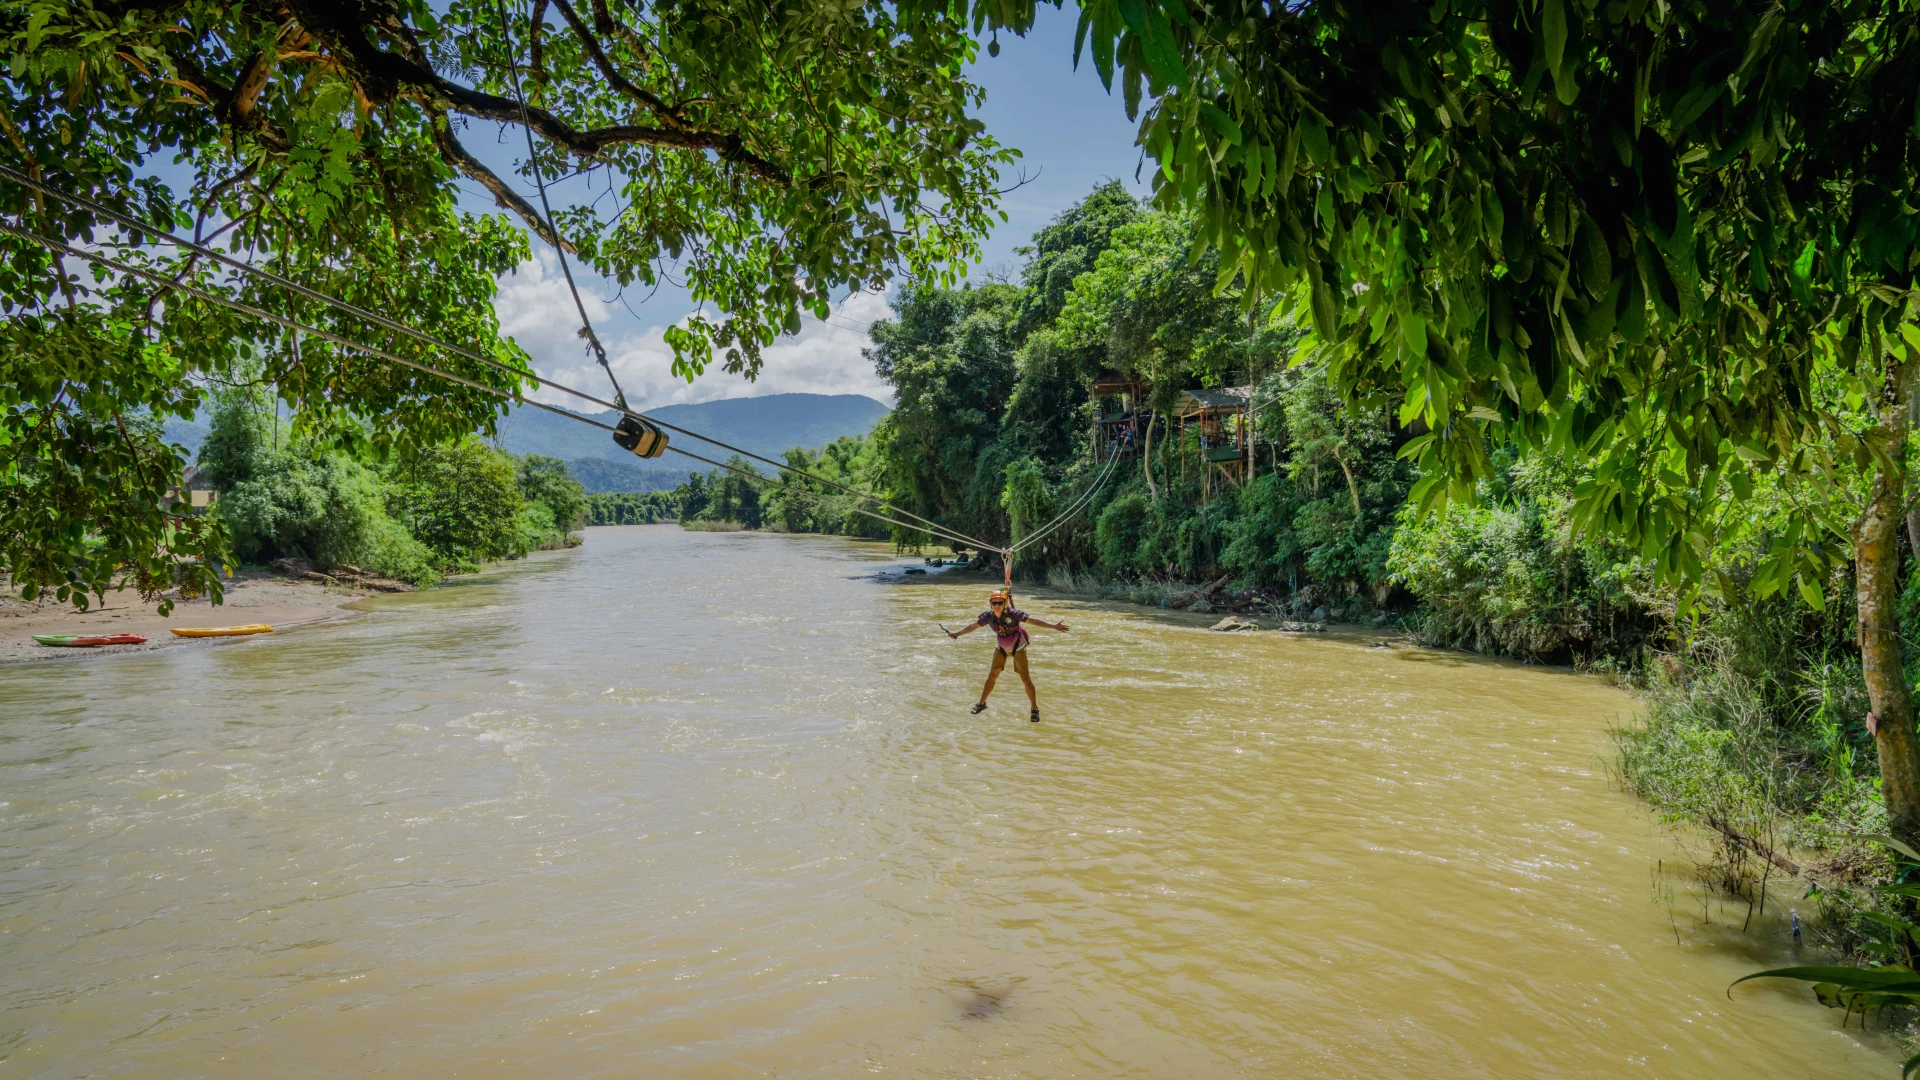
286, 492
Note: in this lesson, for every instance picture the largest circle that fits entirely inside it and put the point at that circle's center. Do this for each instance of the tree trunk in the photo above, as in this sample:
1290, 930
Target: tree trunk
1876, 560
1146, 459
1352, 488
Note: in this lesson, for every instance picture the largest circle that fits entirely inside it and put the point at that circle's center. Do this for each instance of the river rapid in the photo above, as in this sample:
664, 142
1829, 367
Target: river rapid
710, 805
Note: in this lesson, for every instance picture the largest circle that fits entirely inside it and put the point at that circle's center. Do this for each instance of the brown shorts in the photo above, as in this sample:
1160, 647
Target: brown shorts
1019, 659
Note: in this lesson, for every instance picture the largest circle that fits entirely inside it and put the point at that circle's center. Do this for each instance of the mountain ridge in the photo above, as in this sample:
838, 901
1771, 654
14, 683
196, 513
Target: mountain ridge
769, 425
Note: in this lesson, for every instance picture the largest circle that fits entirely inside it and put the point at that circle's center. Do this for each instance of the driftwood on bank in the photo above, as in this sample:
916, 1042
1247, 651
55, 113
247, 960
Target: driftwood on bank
1742, 840
1204, 592
343, 574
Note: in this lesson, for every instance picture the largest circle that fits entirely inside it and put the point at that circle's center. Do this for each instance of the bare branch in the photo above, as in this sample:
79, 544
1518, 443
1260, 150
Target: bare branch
458, 157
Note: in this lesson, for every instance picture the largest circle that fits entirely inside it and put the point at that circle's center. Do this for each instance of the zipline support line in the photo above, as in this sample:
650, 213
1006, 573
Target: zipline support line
418, 335
324, 335
539, 181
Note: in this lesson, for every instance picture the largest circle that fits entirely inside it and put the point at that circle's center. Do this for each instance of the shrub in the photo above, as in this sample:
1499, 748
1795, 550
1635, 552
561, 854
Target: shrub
1508, 577
1120, 530
545, 480
462, 500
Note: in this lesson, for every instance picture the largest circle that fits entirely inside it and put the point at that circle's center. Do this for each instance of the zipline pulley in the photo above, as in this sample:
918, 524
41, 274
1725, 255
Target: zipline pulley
640, 437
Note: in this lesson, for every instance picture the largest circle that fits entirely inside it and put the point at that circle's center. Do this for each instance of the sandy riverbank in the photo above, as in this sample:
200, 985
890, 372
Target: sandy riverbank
250, 598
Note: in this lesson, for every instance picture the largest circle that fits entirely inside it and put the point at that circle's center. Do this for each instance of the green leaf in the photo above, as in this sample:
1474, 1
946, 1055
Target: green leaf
1221, 122
1156, 37
1104, 33
1313, 139
1882, 979
1553, 35
1596, 262
1493, 219
1810, 592
1800, 274
1897, 845
1326, 317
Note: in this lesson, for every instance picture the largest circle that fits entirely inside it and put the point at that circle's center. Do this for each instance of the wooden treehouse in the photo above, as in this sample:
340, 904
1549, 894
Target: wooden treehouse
1121, 415
1221, 421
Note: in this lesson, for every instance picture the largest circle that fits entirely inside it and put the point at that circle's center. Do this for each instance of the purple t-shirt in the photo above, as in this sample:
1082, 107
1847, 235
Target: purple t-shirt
1007, 631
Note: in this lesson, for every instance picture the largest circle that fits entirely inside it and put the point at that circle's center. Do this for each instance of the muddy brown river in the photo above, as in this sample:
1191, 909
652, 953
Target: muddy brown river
711, 805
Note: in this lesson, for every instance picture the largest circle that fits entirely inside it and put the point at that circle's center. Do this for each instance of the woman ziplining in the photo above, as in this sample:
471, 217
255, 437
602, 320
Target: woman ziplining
1010, 633
1010, 640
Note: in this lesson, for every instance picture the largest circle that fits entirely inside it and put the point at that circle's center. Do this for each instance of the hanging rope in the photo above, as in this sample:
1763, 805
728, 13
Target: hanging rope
156, 278
546, 208
140, 228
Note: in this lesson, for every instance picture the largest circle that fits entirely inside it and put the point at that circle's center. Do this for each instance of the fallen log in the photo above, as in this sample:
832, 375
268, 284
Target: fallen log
1194, 596
1742, 840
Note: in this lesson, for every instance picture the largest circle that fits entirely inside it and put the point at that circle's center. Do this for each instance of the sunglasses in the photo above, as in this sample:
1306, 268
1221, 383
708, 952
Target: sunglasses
997, 603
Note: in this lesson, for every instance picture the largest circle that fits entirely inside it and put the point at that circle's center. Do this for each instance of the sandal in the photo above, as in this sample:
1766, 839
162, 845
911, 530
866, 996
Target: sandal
1035, 717
978, 708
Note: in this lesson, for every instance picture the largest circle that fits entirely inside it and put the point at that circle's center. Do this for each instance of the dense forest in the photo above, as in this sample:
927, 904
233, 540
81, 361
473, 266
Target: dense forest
998, 428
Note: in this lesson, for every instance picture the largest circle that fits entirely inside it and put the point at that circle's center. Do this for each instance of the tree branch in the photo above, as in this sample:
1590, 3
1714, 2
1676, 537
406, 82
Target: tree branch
253, 79
383, 76
225, 99
613, 76
458, 157
607, 26
536, 55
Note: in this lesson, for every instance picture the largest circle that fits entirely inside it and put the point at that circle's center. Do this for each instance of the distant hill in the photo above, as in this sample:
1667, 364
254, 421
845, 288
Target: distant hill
598, 474
188, 433
769, 426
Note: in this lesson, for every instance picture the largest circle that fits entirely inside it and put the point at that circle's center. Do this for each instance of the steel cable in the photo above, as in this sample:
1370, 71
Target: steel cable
355, 310
324, 335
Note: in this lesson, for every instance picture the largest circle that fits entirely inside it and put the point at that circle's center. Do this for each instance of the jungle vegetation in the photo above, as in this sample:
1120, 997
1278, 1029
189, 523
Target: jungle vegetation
763, 161
423, 513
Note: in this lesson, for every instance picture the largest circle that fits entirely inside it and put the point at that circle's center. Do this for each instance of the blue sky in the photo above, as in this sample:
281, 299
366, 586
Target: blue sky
1072, 133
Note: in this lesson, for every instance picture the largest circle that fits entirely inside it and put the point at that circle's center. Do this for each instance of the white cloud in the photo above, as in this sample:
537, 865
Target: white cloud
536, 310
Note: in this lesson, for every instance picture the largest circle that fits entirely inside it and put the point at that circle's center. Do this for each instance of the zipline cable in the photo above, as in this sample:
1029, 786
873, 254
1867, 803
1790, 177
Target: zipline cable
1007, 554
140, 228
292, 324
1040, 534
539, 180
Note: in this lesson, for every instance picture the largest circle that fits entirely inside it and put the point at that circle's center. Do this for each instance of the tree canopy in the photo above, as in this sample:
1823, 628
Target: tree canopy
1671, 245
764, 156
1670, 241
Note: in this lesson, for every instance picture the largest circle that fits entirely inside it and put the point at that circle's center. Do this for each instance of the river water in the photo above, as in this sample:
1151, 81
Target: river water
710, 805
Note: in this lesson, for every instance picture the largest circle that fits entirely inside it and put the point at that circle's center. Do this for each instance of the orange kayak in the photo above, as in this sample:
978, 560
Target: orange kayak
222, 631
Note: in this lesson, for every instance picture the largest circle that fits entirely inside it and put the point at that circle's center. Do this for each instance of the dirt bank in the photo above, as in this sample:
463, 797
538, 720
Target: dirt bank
250, 598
